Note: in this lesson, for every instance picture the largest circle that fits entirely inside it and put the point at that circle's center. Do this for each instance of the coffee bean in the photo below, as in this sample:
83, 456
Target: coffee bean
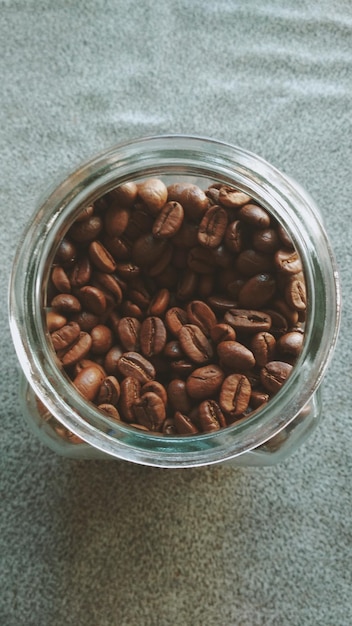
204, 382
112, 358
184, 425
295, 295
211, 417
60, 279
257, 291
234, 237
109, 282
66, 303
288, 261
274, 375
88, 382
212, 227
101, 257
77, 351
175, 319
66, 253
235, 395
129, 333
200, 261
92, 299
266, 240
124, 194
181, 368
130, 391
109, 391
222, 332
191, 197
149, 411
81, 272
110, 410
247, 321
263, 346
116, 220
254, 215
178, 396
159, 303
195, 344
290, 344
251, 262
200, 314
168, 221
232, 198
54, 321
187, 285
173, 350
102, 339
153, 192
65, 336
152, 336
147, 250
156, 388
235, 356
135, 365
87, 230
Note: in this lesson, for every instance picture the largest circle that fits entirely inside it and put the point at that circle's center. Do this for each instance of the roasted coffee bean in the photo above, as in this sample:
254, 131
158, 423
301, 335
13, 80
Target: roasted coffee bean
234, 356
212, 227
235, 395
102, 339
168, 221
88, 382
178, 396
130, 391
109, 391
77, 351
152, 336
200, 314
248, 321
274, 375
263, 346
129, 329
135, 365
175, 319
66, 303
254, 215
92, 299
149, 411
257, 291
60, 279
195, 344
191, 197
184, 425
153, 192
211, 417
232, 198
205, 382
65, 336
54, 321
190, 303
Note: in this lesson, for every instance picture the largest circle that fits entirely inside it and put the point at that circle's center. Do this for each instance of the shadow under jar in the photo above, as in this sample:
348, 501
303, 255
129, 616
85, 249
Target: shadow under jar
68, 421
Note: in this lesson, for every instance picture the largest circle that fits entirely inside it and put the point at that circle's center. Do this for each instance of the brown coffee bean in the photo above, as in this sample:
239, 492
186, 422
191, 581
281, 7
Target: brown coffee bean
135, 365
211, 417
102, 339
248, 321
291, 344
111, 360
195, 344
149, 411
274, 375
222, 257
101, 257
88, 382
54, 321
235, 395
116, 220
83, 363
81, 272
187, 235
235, 356
85, 213
130, 309
234, 236
109, 283
130, 390
168, 221
147, 250
127, 270
65, 336
178, 397
212, 227
125, 194
184, 425
77, 351
60, 279
251, 262
295, 294
87, 230
222, 332
92, 299
254, 215
152, 336
266, 240
129, 333
200, 261
110, 410
232, 198
169, 427
175, 319
173, 350
157, 388
109, 391
66, 303
159, 303
205, 285
288, 261
153, 192
221, 304
204, 382
263, 346
200, 314
86, 320
119, 247
257, 291
187, 285
191, 197
66, 253
162, 263
258, 398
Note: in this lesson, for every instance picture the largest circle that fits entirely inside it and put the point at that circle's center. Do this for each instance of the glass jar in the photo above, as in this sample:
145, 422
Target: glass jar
69, 424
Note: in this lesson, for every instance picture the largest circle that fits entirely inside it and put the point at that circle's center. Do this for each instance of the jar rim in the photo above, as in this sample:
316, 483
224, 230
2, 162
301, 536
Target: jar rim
172, 154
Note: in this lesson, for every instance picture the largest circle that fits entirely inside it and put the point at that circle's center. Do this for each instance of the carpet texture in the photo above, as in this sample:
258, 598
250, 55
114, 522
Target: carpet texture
101, 543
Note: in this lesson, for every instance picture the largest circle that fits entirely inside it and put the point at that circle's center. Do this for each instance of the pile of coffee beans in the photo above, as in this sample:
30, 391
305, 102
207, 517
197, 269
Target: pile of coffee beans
175, 309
